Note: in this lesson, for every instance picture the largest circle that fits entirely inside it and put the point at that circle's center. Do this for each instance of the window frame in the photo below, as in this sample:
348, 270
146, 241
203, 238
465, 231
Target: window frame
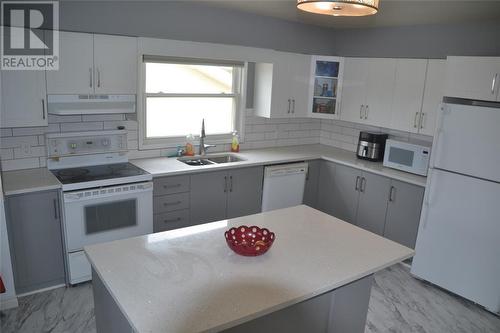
238, 95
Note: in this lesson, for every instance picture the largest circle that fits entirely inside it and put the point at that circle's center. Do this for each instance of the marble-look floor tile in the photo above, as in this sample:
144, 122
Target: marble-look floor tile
399, 303
62, 310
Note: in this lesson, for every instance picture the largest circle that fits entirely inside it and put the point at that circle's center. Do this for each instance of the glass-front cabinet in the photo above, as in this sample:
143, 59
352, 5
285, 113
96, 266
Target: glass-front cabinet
325, 87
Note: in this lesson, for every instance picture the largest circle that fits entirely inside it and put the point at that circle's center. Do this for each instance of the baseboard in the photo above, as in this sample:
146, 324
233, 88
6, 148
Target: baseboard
9, 303
41, 290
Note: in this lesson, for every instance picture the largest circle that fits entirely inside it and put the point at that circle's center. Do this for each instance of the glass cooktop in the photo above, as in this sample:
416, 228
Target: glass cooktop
97, 172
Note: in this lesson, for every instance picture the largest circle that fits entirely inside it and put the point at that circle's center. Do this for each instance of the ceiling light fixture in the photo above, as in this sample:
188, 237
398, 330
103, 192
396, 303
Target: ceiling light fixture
339, 7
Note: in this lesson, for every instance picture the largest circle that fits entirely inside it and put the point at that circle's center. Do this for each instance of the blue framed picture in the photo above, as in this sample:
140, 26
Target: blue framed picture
327, 68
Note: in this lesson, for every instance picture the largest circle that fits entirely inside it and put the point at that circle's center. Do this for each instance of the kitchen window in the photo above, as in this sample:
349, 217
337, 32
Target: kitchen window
179, 92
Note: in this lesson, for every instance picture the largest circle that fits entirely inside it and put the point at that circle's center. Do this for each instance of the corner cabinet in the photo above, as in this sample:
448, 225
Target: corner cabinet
325, 87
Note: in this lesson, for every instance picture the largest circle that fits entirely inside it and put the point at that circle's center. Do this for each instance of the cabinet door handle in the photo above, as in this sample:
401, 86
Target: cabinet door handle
356, 187
90, 77
43, 108
225, 184
56, 214
289, 105
366, 111
98, 78
293, 105
230, 183
172, 220
361, 111
422, 118
494, 83
391, 193
362, 186
415, 120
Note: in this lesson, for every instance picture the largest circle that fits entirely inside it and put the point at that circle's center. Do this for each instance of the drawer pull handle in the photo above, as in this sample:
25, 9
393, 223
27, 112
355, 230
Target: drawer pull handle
171, 186
171, 203
172, 220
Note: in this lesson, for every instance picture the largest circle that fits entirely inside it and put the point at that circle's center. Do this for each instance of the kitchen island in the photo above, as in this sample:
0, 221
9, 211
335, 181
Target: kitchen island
316, 278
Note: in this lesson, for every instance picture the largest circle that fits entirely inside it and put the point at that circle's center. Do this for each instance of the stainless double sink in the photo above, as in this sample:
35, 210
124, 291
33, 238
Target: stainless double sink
209, 160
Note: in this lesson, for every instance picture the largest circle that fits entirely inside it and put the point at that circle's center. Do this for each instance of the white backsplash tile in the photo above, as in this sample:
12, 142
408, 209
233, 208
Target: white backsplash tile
23, 148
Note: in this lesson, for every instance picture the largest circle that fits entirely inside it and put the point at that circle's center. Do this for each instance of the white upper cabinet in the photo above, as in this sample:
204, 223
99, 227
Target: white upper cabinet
354, 89
299, 66
325, 87
433, 95
95, 64
23, 98
115, 64
408, 94
379, 92
473, 78
280, 89
367, 91
76, 65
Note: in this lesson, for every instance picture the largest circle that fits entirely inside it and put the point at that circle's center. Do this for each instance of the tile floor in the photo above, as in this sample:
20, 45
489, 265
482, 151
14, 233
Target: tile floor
399, 303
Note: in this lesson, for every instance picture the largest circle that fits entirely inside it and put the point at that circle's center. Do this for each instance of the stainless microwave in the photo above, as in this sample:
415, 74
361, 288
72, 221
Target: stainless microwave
407, 156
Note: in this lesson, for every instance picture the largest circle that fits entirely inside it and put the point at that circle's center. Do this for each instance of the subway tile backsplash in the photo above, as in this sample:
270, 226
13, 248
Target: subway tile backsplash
24, 148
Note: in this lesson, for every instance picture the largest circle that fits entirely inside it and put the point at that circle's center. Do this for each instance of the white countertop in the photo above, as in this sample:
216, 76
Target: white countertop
40, 179
188, 280
29, 180
164, 166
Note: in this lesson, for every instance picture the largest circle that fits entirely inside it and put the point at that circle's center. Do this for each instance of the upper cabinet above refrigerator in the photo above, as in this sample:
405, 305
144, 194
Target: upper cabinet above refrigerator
473, 78
95, 64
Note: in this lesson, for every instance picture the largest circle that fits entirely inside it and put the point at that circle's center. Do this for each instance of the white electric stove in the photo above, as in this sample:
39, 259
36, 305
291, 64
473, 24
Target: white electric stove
105, 197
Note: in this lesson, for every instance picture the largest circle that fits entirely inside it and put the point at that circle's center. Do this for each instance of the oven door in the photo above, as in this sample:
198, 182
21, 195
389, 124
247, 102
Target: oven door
106, 214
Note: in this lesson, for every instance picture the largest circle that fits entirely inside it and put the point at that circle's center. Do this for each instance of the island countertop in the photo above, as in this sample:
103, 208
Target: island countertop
188, 280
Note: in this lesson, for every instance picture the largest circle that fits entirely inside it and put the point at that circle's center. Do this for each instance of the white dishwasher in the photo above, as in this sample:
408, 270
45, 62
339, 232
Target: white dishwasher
283, 186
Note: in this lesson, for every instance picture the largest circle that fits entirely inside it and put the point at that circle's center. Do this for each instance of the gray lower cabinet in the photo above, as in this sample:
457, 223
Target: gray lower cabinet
225, 194
403, 213
338, 192
311, 186
208, 196
372, 205
245, 192
35, 239
181, 201
379, 204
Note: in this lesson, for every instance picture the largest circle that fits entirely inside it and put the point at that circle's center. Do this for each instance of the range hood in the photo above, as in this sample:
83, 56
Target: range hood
90, 104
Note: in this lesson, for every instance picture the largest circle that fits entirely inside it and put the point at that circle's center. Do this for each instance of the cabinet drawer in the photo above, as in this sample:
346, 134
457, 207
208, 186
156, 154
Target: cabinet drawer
167, 203
170, 185
171, 220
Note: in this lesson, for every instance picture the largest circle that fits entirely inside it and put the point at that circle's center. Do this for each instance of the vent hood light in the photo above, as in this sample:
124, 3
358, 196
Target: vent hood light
339, 7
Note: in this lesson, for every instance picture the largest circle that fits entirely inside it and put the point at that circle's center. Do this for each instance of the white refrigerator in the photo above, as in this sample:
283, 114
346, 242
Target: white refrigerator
458, 243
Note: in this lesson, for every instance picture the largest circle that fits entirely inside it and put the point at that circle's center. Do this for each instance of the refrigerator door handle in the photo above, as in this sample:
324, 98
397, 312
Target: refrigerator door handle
494, 83
437, 137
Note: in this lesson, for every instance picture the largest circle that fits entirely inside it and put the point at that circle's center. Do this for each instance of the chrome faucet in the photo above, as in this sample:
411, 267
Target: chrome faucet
203, 147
